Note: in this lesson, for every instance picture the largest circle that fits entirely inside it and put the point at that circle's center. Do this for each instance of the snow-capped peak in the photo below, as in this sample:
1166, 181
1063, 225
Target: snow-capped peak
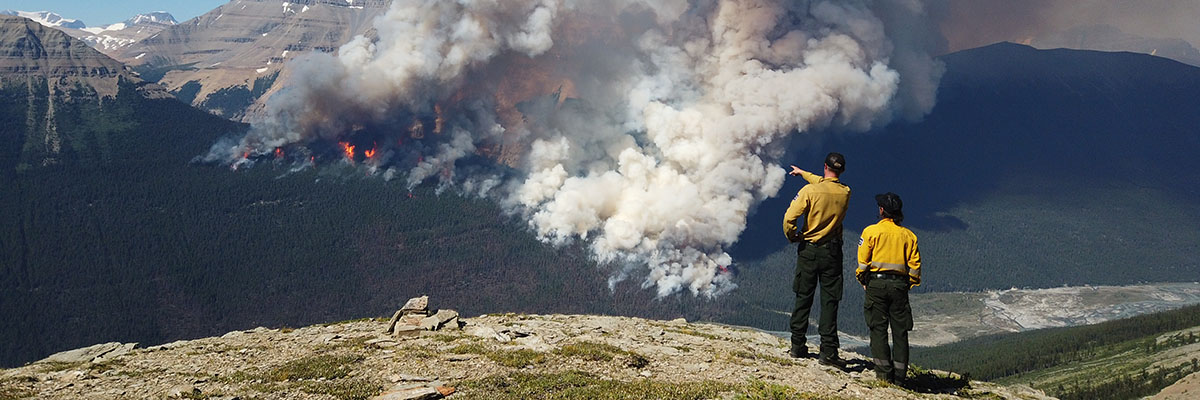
157, 17
47, 18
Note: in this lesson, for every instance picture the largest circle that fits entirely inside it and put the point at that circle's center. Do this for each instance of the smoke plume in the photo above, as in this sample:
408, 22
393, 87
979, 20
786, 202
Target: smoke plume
648, 129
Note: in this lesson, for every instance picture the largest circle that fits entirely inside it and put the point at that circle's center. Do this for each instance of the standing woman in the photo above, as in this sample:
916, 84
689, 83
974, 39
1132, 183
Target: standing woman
888, 266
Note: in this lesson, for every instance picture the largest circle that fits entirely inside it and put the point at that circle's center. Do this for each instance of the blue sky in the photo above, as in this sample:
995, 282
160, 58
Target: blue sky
104, 12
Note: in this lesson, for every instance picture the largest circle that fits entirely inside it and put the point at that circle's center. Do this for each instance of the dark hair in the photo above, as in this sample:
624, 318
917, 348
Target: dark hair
898, 217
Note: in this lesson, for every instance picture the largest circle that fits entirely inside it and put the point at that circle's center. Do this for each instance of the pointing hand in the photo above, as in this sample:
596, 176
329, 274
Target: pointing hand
796, 171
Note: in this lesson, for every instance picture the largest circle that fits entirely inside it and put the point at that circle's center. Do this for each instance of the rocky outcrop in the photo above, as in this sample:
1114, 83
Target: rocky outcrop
97, 353
415, 317
493, 356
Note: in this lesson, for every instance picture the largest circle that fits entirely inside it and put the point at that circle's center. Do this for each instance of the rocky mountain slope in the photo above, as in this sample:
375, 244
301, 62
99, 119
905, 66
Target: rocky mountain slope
108, 39
33, 51
225, 61
491, 356
113, 39
53, 71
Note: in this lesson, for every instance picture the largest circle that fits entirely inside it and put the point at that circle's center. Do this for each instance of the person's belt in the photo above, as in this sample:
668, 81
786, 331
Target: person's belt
882, 275
825, 243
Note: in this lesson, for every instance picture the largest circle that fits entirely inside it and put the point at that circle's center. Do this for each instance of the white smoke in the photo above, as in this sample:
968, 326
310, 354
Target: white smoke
684, 110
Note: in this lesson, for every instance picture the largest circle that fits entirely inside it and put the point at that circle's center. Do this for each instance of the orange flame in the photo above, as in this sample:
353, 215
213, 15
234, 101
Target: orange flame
246, 155
348, 149
440, 121
370, 153
278, 152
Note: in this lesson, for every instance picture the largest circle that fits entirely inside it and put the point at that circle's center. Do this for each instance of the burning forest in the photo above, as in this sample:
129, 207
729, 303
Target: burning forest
648, 129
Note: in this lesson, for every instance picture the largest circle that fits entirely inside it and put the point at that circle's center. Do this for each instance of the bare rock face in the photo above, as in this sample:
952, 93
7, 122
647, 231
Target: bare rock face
30, 50
229, 60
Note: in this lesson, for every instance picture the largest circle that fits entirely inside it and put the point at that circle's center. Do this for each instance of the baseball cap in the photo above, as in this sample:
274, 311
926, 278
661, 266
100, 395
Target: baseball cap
891, 204
836, 162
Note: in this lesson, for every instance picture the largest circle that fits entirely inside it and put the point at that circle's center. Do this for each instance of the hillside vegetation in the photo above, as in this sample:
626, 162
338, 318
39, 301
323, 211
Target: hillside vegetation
1119, 359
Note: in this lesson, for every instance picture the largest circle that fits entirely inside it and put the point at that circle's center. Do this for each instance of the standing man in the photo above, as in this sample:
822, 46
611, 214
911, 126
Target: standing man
888, 266
822, 205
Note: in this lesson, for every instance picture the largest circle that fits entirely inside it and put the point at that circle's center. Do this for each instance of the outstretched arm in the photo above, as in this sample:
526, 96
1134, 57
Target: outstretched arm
808, 176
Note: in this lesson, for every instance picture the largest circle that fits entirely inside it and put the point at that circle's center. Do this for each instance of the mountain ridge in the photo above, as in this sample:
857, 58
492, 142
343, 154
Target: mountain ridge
218, 59
47, 18
108, 39
495, 356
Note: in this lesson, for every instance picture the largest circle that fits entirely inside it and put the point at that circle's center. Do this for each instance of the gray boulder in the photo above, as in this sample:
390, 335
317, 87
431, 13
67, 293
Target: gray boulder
103, 352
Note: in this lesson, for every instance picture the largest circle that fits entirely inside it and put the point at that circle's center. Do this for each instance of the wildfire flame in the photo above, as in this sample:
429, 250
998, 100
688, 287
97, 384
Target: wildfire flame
370, 153
348, 149
278, 152
440, 121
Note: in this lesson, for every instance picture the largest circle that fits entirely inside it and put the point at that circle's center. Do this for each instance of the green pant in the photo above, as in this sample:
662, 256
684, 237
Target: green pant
817, 263
886, 305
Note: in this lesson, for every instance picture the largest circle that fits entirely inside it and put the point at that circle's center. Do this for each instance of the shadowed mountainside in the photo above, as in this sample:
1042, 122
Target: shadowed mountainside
1037, 168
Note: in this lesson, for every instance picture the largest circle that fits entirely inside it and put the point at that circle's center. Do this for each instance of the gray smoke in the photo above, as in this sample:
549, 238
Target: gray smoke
648, 129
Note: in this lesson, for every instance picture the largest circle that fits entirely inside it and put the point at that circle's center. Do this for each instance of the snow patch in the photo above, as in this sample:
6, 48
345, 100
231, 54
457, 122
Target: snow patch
261, 70
139, 56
